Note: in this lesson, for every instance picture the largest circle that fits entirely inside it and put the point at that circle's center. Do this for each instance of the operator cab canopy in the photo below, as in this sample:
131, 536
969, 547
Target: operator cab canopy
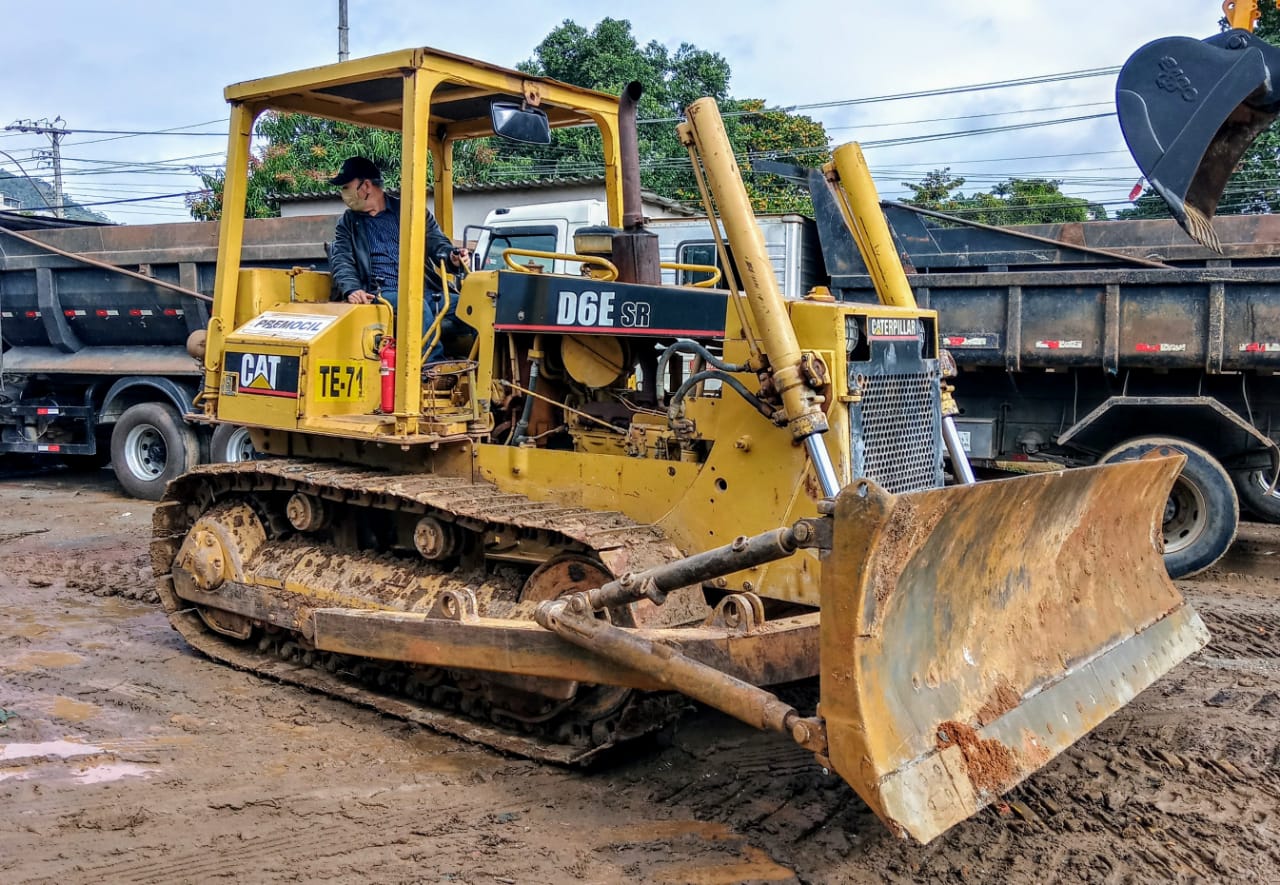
372, 92
438, 97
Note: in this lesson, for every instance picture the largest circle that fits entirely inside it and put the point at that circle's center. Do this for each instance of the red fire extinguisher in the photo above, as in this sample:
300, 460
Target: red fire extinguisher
387, 369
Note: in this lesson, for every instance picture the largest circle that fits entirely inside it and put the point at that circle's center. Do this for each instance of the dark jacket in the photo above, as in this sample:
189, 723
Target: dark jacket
349, 255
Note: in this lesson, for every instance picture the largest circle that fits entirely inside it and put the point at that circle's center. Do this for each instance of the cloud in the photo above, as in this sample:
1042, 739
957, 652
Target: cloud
151, 65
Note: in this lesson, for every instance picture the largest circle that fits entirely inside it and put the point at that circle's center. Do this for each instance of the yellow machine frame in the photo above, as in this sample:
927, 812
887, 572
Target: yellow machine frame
730, 543
433, 99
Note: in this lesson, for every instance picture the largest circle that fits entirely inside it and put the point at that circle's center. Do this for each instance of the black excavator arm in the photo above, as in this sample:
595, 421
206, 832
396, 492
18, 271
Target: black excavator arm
1189, 110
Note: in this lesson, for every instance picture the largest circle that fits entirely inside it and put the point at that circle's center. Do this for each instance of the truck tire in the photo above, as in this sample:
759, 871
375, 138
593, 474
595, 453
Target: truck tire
1203, 512
151, 445
1251, 486
231, 443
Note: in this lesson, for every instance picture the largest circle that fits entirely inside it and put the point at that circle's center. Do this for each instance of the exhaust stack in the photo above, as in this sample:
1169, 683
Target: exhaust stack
635, 250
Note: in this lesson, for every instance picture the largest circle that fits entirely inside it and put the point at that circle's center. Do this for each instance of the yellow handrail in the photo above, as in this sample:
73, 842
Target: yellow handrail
436, 331
696, 268
609, 268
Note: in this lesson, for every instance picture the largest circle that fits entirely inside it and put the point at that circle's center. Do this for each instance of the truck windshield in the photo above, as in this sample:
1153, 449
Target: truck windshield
540, 239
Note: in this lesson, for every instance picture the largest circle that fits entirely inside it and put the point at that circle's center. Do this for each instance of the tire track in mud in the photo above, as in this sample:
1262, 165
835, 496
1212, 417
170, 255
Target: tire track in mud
760, 784
296, 848
130, 579
1161, 811
1241, 633
1143, 798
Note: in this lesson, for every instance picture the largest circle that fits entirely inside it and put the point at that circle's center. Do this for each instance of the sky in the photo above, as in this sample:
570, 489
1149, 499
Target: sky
147, 66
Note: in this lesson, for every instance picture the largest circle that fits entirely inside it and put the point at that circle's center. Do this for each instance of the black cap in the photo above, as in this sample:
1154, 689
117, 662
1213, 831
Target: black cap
357, 167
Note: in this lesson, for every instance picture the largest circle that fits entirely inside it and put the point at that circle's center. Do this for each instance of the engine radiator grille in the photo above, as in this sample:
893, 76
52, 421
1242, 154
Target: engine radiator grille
897, 441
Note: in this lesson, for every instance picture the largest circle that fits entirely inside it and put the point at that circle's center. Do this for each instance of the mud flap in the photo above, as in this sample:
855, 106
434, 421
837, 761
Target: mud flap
1189, 110
970, 634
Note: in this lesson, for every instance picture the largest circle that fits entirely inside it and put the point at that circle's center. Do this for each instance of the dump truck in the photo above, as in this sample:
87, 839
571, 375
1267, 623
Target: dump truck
94, 323
615, 495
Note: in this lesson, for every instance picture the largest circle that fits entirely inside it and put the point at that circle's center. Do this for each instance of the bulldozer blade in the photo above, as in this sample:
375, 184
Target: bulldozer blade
971, 633
1189, 109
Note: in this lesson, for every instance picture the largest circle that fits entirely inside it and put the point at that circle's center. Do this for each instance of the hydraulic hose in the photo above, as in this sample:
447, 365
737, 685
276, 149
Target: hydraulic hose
535, 362
688, 345
673, 409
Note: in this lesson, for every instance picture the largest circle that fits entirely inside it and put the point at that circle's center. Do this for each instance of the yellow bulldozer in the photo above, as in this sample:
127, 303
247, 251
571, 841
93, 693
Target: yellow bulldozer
614, 496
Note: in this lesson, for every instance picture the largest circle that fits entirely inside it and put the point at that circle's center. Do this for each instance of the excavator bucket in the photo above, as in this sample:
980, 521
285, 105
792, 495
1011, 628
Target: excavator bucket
971, 633
1189, 110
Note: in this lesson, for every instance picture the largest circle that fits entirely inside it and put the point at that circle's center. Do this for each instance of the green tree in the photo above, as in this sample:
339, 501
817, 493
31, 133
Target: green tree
935, 191
36, 195
609, 57
759, 133
1015, 201
301, 153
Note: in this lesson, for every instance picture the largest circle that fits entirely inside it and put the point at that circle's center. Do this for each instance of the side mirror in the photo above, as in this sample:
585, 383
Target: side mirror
520, 122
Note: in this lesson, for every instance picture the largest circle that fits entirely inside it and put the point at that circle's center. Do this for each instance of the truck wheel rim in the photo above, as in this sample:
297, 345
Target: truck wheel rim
239, 446
1185, 516
145, 452
1261, 481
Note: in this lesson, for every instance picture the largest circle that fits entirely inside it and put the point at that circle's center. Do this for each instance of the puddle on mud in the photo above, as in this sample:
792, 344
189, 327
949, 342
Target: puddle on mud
60, 749
149, 743
44, 660
69, 710
753, 864
30, 631
88, 773
453, 763
115, 608
113, 771
434, 754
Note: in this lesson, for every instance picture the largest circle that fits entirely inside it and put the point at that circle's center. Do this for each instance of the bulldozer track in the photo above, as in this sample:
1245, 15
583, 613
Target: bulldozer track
620, 544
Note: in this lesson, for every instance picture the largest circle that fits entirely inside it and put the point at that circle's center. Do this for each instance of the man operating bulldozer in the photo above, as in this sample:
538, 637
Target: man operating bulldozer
365, 258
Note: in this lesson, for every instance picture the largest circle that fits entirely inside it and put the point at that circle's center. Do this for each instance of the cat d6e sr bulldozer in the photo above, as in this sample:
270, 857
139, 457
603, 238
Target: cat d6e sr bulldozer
616, 495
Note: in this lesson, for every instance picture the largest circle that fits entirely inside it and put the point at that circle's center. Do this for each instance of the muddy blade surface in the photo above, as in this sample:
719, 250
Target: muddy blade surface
970, 634
1185, 108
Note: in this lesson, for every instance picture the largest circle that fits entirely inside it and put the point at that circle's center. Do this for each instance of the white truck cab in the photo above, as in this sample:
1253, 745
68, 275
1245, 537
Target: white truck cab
542, 227
790, 240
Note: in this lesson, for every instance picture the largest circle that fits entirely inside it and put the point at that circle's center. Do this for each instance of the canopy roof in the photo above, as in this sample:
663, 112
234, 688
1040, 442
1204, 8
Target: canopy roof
370, 92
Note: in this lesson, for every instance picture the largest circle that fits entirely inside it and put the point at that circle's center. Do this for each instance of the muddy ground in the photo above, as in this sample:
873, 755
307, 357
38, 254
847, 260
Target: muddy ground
125, 757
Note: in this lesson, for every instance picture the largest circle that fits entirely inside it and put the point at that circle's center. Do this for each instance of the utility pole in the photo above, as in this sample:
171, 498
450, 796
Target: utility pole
55, 130
342, 30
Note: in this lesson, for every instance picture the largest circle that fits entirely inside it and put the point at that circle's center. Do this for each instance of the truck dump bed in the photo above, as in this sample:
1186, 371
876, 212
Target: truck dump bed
1074, 356
1018, 304
52, 306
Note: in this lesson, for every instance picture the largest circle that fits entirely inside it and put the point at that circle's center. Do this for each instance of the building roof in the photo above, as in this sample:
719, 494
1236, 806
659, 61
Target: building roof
23, 221
515, 184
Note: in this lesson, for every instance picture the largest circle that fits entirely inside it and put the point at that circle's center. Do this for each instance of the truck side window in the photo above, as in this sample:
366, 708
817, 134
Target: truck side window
697, 253
535, 239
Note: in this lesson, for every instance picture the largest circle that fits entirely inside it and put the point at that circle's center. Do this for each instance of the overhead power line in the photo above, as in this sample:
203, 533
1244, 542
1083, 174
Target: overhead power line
174, 130
923, 93
95, 168
56, 133
139, 132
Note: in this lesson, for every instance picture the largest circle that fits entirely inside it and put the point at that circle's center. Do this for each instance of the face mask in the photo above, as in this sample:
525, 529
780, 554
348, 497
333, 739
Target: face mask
353, 200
